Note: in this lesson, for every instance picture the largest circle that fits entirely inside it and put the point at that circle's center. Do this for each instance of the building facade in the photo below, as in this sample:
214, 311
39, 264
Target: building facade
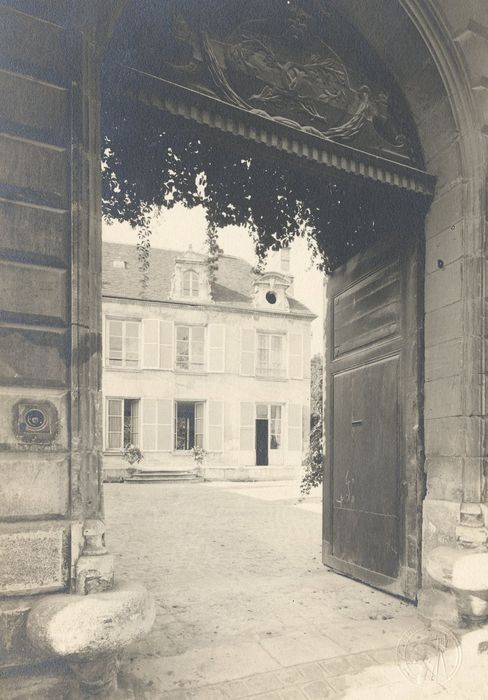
223, 366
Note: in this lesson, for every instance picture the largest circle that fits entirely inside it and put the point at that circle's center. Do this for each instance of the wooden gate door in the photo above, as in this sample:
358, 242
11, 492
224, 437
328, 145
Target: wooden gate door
373, 442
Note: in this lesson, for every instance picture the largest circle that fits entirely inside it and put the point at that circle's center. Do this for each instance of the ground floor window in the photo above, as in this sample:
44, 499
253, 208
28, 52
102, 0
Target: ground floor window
122, 423
272, 414
188, 425
275, 427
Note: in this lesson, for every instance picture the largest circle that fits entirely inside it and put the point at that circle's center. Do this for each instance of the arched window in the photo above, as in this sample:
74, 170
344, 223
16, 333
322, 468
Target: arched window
190, 284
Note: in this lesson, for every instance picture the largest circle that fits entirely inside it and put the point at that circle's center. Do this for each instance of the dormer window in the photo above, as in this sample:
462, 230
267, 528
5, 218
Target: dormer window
190, 281
270, 291
190, 284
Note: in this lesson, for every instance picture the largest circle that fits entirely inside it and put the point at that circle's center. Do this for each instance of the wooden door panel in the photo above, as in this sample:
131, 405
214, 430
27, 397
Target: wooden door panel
365, 458
371, 368
367, 541
368, 311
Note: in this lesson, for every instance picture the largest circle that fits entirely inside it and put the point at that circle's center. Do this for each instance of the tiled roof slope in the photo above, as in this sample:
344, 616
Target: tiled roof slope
233, 286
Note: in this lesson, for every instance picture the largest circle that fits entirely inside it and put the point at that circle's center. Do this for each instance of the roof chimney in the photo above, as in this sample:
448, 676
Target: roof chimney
285, 260
285, 255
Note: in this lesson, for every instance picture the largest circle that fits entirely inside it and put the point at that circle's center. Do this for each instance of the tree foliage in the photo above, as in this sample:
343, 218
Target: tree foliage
314, 460
151, 160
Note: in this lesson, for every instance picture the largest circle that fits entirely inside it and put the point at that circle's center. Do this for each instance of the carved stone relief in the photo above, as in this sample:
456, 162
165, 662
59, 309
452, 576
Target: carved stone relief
287, 71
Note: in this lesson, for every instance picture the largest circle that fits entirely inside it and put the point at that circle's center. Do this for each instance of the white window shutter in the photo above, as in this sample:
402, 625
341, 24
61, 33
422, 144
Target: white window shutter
114, 425
149, 425
216, 426
247, 426
295, 356
106, 342
294, 427
216, 347
248, 338
166, 344
165, 425
114, 344
150, 330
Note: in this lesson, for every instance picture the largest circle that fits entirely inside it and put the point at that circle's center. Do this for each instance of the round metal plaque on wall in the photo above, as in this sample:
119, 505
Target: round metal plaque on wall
35, 419
35, 422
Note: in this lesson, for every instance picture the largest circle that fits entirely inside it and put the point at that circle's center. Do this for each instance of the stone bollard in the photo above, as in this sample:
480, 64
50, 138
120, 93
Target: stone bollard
91, 628
90, 632
461, 575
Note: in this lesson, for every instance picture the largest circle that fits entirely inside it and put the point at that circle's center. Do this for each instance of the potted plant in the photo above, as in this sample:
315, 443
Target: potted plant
198, 455
132, 455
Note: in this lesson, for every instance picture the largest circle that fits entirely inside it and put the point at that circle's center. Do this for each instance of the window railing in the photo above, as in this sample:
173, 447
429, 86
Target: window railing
275, 372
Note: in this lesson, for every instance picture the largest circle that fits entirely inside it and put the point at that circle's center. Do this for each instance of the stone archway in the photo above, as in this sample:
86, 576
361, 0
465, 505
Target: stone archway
50, 209
415, 42
435, 52
305, 96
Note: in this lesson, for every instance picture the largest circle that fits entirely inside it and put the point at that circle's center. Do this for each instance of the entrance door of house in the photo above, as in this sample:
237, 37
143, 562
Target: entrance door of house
261, 442
371, 521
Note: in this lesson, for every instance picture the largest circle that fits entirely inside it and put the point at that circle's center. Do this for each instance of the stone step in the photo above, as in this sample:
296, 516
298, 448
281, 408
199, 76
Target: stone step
160, 472
162, 475
161, 478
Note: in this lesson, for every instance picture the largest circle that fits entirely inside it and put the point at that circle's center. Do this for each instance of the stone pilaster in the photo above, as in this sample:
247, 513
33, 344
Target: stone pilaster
455, 526
51, 515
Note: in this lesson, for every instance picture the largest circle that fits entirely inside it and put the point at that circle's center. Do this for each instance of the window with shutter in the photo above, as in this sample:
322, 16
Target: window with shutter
115, 340
295, 356
166, 344
122, 424
248, 336
216, 347
157, 425
149, 425
190, 346
294, 427
122, 343
270, 355
215, 426
247, 426
199, 424
131, 422
157, 344
165, 425
150, 329
132, 344
114, 424
189, 425
275, 427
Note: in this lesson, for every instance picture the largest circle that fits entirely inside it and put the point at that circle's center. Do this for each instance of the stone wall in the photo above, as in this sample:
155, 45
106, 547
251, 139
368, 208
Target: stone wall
50, 305
35, 280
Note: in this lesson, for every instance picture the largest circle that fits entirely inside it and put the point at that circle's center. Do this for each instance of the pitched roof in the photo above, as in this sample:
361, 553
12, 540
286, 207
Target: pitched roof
233, 285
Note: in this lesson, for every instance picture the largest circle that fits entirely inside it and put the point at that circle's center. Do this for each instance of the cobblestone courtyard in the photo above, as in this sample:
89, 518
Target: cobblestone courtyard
245, 607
